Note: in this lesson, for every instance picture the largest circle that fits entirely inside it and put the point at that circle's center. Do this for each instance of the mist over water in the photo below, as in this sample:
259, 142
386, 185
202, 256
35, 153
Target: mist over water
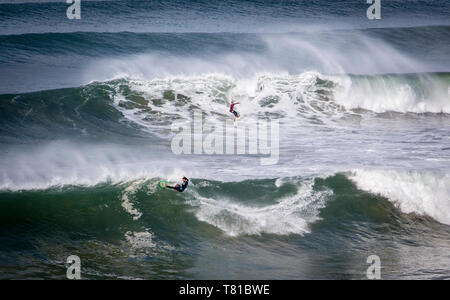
86, 110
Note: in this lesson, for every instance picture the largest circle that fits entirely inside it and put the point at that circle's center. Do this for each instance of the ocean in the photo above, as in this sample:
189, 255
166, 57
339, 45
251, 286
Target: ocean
87, 114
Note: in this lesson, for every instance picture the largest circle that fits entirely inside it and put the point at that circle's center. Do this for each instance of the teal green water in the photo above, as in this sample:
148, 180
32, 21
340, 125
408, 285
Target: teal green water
39, 229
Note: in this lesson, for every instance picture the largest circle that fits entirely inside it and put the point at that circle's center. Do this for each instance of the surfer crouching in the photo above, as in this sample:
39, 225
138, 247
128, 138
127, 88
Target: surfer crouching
235, 113
178, 187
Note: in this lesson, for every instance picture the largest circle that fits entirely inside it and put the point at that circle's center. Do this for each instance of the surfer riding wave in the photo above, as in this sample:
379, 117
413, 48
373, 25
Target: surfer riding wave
177, 187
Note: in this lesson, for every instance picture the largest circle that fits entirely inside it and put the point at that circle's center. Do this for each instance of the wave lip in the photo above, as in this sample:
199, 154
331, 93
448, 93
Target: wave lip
408, 93
416, 192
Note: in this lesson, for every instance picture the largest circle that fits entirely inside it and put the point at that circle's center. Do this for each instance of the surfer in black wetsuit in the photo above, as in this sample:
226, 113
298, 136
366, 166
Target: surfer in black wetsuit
178, 187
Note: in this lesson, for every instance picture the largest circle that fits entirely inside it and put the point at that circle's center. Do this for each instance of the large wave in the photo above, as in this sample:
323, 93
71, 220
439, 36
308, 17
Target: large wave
155, 104
306, 95
281, 206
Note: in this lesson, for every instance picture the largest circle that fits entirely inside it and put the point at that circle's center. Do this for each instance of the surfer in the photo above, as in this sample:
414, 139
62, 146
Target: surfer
178, 187
235, 113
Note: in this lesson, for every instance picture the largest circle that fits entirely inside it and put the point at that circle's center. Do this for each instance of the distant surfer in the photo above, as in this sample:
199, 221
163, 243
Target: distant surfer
235, 113
178, 187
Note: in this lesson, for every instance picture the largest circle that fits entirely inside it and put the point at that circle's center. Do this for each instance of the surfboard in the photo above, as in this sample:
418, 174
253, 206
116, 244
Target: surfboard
162, 182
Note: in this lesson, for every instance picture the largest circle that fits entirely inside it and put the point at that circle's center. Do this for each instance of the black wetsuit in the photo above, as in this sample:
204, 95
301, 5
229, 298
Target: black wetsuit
181, 187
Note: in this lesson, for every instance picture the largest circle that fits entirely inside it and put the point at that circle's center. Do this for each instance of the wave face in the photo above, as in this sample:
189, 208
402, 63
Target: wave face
289, 220
87, 106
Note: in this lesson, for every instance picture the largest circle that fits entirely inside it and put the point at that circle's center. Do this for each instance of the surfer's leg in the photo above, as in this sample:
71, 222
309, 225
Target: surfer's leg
176, 187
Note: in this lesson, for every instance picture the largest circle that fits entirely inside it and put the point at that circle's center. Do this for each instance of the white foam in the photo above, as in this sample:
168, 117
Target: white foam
423, 193
140, 239
390, 93
143, 244
213, 80
287, 96
126, 199
291, 215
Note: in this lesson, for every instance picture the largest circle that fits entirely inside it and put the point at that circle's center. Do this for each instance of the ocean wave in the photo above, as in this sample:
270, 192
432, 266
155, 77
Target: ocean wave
106, 109
310, 96
291, 214
422, 193
414, 93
